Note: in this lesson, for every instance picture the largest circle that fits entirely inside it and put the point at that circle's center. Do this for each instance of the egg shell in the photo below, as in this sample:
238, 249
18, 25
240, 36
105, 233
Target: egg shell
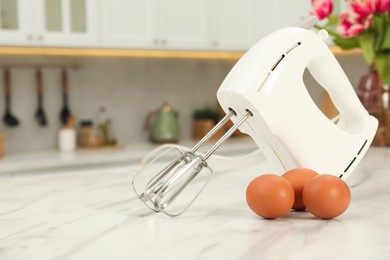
298, 178
270, 196
326, 196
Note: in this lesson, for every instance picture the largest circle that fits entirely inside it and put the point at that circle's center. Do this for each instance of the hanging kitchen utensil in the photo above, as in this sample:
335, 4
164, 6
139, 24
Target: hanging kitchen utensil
9, 119
40, 114
65, 112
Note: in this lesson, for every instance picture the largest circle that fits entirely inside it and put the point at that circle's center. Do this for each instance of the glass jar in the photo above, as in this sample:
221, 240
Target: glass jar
89, 135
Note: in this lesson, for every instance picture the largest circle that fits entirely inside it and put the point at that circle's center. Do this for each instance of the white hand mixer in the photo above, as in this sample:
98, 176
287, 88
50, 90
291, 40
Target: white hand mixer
266, 98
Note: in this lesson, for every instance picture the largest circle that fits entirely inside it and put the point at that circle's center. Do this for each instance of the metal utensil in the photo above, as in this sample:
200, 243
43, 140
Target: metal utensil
162, 191
40, 114
65, 112
9, 119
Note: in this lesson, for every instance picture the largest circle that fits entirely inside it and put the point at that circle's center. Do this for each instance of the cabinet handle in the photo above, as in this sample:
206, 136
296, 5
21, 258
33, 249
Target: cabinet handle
215, 43
163, 42
29, 37
156, 41
40, 38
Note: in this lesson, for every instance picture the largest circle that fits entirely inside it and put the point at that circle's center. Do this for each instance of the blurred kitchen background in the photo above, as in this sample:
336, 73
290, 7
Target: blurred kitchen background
130, 57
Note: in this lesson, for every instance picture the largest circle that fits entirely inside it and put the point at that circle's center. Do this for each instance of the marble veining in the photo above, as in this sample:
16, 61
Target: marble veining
94, 214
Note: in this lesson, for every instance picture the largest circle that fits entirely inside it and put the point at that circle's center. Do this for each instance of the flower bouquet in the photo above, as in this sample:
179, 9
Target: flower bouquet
365, 25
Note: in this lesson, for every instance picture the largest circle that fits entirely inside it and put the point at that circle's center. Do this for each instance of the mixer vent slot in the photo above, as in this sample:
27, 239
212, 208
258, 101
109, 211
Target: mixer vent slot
265, 80
365, 142
293, 47
349, 165
277, 63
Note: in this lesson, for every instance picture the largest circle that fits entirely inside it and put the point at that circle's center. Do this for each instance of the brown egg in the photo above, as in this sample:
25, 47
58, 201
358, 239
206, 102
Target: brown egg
326, 196
298, 179
270, 196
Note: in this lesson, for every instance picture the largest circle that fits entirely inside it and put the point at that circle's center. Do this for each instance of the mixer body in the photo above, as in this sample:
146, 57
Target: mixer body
286, 124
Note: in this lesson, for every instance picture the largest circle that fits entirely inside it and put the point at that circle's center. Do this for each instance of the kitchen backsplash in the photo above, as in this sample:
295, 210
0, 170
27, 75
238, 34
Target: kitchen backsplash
129, 89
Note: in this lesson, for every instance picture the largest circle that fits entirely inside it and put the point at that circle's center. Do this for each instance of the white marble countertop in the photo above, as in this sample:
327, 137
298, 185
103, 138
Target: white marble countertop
39, 161
94, 214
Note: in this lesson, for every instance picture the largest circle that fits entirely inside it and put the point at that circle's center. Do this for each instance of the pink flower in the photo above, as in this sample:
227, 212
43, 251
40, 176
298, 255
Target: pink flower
362, 7
380, 6
375, 5
322, 8
352, 24
367, 7
385, 6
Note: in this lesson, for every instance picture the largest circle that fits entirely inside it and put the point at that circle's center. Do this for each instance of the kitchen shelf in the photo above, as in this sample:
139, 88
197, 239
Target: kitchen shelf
124, 53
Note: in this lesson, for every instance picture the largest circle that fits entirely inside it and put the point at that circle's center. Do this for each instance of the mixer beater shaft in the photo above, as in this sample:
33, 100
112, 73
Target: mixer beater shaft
166, 186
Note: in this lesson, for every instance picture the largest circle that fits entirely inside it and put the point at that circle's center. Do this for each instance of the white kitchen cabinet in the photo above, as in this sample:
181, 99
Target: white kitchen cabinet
232, 24
194, 24
128, 23
273, 15
169, 24
287, 13
15, 21
238, 24
183, 24
145, 24
65, 23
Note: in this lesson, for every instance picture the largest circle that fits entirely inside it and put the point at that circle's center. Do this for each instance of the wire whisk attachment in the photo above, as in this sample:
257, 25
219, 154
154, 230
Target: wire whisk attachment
171, 180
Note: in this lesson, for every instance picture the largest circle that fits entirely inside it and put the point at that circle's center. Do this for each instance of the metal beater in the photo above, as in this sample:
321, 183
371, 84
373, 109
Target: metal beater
163, 189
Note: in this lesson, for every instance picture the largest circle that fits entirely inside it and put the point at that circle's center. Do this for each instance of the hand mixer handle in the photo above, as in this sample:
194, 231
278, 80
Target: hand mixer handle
329, 74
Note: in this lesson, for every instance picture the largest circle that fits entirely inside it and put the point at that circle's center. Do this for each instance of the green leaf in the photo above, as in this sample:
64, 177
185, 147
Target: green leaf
346, 43
382, 63
332, 21
380, 30
332, 33
386, 40
343, 43
366, 41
